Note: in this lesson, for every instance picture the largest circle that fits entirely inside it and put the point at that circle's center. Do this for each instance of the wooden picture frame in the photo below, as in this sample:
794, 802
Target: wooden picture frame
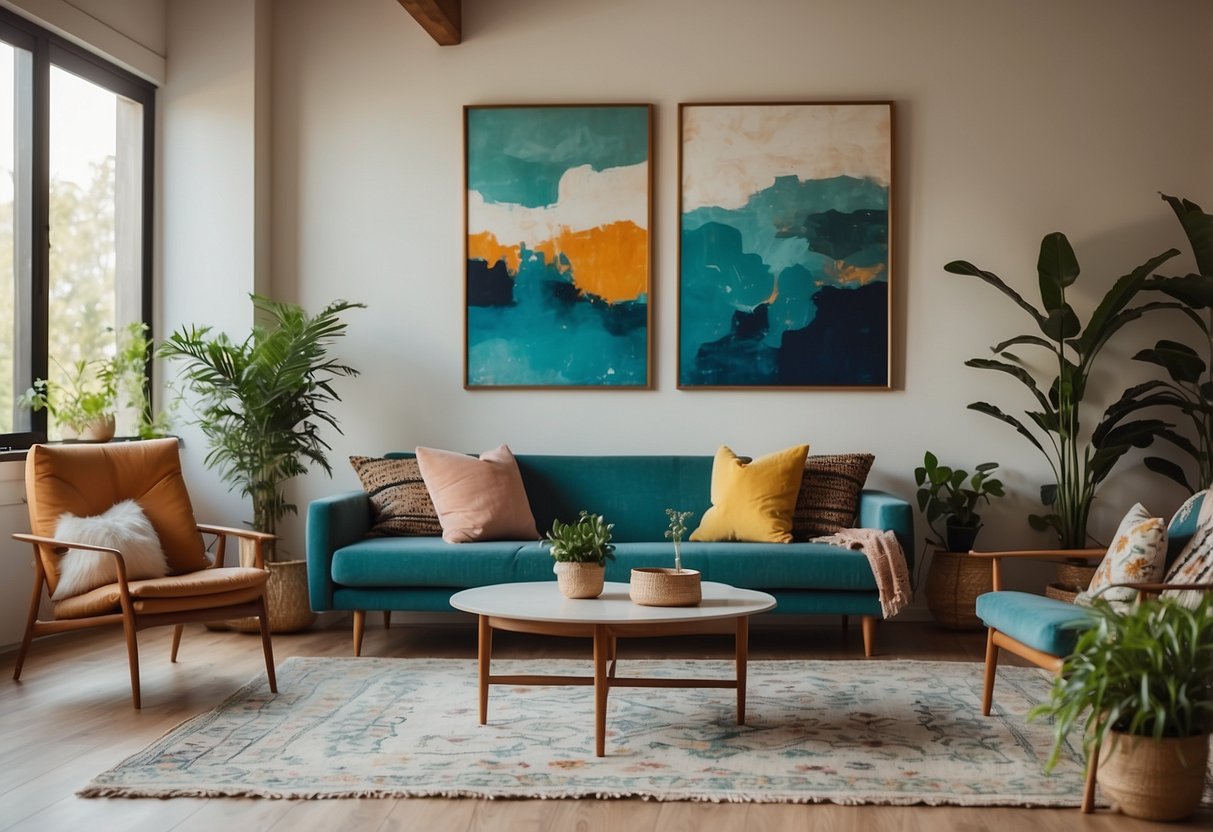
558, 212
785, 244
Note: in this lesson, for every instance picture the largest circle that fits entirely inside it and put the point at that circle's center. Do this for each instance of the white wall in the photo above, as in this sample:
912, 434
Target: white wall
1013, 120
128, 32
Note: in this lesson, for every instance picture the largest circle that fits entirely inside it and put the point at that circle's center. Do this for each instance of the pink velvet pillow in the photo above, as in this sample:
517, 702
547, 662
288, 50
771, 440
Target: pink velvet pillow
477, 499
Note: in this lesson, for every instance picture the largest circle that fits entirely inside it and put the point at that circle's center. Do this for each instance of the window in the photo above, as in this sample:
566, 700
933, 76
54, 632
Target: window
75, 215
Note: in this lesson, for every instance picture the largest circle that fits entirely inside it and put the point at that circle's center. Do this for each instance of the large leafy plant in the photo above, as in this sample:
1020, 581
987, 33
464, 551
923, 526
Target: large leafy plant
262, 401
1147, 671
1189, 390
1081, 457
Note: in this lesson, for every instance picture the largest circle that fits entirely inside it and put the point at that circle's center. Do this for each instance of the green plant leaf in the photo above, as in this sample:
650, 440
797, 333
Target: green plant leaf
991, 410
1048, 494
1104, 320
1061, 323
1032, 340
1056, 268
963, 267
1181, 362
1169, 470
1013, 370
1198, 226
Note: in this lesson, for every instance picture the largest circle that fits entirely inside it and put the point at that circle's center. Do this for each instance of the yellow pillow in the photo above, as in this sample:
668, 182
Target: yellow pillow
753, 501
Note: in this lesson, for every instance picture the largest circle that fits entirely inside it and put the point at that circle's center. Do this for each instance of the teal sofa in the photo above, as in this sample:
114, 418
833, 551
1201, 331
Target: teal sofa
348, 571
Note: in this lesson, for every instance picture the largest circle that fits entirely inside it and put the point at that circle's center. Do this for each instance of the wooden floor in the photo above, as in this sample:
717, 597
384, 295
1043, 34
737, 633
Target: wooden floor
70, 718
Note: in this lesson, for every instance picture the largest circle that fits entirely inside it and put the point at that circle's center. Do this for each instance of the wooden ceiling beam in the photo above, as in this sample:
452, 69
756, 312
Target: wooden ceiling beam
443, 19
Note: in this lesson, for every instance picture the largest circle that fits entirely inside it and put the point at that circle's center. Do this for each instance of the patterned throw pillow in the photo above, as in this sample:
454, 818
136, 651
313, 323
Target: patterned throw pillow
1194, 565
829, 494
400, 502
1136, 555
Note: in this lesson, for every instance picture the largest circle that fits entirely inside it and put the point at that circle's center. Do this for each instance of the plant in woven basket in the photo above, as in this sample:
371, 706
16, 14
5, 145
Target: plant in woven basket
1145, 672
678, 527
950, 505
585, 540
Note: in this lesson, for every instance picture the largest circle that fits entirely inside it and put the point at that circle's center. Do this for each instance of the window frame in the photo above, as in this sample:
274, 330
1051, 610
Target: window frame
47, 49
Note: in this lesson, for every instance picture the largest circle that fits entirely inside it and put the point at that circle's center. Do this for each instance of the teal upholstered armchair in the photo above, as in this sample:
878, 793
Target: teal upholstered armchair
1044, 630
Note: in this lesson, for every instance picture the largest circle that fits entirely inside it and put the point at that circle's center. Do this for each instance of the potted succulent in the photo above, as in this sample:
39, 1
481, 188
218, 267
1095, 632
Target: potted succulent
580, 550
261, 403
1142, 681
949, 498
85, 397
677, 587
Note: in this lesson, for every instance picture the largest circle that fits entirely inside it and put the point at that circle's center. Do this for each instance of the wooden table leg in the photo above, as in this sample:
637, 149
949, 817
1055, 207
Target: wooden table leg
743, 651
602, 646
484, 651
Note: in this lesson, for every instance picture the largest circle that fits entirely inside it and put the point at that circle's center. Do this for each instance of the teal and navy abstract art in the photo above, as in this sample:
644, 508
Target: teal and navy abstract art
558, 264
784, 256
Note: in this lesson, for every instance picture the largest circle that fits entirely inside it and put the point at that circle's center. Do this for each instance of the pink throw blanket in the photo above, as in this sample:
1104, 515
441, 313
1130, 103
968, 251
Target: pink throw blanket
887, 560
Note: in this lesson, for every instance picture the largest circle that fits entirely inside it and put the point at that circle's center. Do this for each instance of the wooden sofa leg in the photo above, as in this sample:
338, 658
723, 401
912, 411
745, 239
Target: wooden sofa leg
869, 635
177, 631
387, 619
987, 691
359, 629
31, 622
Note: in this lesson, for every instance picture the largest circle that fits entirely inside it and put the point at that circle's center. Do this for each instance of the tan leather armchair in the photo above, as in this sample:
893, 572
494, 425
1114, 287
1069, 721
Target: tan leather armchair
87, 480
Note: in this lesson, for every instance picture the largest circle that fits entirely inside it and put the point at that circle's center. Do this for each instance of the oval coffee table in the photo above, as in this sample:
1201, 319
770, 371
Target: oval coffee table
538, 607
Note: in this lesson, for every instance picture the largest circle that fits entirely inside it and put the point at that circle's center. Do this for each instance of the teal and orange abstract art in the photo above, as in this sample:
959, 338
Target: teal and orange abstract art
785, 237
558, 255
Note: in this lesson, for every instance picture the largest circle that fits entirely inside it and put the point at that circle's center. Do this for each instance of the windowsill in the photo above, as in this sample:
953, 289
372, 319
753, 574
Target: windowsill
19, 454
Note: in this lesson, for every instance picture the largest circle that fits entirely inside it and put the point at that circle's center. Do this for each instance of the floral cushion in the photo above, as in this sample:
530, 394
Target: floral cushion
1137, 554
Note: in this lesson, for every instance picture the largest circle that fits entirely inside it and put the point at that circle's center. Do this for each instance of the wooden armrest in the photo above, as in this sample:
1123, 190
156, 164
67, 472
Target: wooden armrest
248, 534
60, 546
1045, 554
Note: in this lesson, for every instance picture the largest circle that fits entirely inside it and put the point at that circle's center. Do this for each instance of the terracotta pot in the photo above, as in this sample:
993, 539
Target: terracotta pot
580, 580
1154, 779
100, 429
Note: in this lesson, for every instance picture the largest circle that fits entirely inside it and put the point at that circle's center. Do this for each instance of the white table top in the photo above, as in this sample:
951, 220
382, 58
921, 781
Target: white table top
542, 601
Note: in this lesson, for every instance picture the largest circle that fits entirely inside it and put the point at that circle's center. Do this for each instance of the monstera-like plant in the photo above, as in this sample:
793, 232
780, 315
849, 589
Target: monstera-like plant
1189, 390
1081, 457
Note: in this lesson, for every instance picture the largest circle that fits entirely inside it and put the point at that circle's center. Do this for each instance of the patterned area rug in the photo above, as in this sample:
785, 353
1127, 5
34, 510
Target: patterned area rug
892, 732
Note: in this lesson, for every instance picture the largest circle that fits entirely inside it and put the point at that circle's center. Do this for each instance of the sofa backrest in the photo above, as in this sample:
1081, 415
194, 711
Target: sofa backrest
632, 492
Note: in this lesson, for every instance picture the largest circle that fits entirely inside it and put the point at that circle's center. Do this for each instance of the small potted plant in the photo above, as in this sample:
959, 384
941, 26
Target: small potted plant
677, 587
1140, 682
581, 550
949, 498
84, 398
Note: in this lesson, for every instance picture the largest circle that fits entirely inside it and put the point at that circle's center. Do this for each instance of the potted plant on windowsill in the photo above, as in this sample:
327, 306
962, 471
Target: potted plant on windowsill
675, 587
1143, 679
83, 401
580, 550
261, 403
949, 498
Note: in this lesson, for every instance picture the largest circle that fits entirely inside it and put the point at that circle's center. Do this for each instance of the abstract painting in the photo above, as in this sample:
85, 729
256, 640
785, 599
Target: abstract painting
558, 217
784, 245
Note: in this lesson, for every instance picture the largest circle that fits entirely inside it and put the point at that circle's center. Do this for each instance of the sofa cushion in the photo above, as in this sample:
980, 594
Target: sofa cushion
477, 498
829, 494
753, 501
1136, 555
429, 561
756, 565
400, 502
1048, 625
1194, 563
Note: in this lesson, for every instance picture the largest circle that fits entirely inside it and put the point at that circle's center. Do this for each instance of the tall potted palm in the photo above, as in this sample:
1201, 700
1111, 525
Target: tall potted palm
261, 403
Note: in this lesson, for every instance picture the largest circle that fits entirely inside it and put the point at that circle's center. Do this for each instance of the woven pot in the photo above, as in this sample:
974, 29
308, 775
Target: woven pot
1075, 576
666, 587
1154, 779
953, 584
287, 599
1061, 593
580, 580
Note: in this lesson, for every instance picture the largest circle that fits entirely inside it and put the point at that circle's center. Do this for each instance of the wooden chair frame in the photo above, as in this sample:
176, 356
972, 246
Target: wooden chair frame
996, 640
133, 621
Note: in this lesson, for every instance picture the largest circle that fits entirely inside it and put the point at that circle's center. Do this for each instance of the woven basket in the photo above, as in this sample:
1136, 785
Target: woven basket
1060, 593
953, 584
287, 599
1075, 576
666, 587
580, 580
1154, 779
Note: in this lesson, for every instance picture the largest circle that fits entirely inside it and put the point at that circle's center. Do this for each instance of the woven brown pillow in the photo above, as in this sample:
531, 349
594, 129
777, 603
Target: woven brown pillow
829, 494
400, 502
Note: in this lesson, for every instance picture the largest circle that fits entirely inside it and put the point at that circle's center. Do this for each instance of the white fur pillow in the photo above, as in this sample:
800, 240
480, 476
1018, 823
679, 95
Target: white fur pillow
124, 527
